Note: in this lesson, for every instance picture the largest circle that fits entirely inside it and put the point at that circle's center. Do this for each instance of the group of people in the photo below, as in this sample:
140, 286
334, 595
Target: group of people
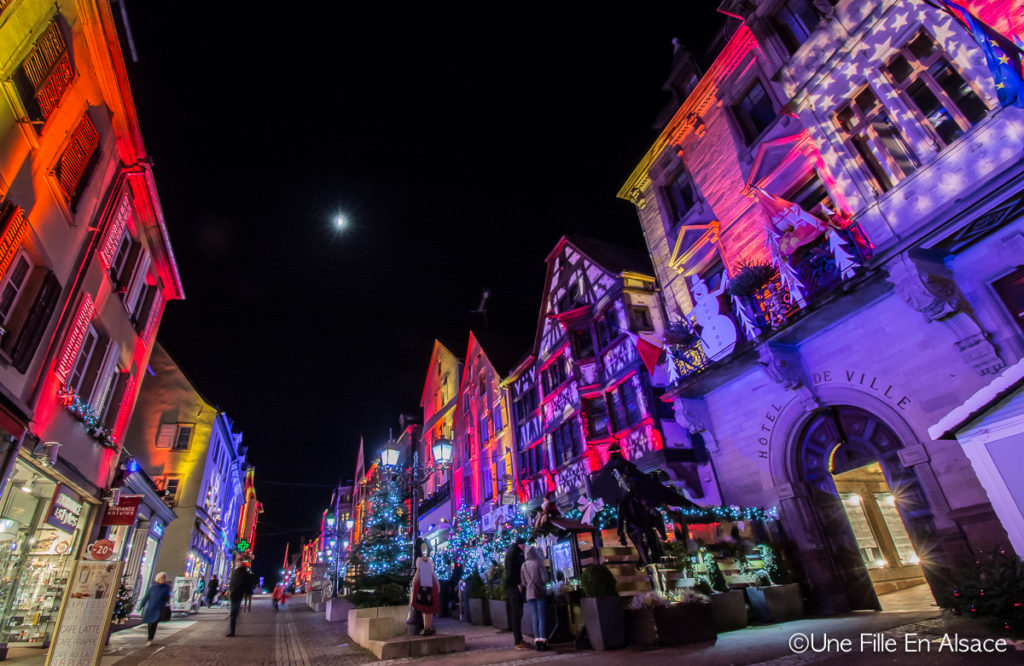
155, 603
526, 580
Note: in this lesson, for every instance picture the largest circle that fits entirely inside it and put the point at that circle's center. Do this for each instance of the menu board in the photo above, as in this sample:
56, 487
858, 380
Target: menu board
85, 619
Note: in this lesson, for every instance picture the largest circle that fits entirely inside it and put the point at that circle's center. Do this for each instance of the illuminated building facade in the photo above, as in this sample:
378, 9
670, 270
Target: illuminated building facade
438, 401
585, 386
191, 450
833, 212
248, 516
86, 268
484, 442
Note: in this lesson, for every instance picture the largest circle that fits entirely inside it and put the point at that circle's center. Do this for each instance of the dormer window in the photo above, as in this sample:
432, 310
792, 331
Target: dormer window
681, 195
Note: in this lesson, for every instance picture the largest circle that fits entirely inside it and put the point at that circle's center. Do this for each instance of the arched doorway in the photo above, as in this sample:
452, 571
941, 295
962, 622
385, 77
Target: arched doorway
870, 509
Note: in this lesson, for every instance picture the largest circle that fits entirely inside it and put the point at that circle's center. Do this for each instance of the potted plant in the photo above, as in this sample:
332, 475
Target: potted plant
601, 607
773, 597
685, 620
496, 601
641, 630
479, 609
750, 278
728, 606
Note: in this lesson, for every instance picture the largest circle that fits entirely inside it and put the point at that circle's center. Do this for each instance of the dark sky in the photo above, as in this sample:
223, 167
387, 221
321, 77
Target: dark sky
461, 144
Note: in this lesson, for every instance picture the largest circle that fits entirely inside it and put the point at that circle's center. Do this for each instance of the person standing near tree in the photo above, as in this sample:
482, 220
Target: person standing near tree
426, 592
154, 603
236, 591
514, 592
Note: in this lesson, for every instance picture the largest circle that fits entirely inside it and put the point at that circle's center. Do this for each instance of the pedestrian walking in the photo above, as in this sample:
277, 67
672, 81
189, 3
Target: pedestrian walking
211, 590
154, 604
534, 579
514, 592
201, 591
250, 582
425, 595
275, 596
236, 590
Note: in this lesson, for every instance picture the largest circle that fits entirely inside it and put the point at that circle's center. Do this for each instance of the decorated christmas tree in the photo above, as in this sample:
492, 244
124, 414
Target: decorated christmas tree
464, 540
518, 526
125, 601
385, 545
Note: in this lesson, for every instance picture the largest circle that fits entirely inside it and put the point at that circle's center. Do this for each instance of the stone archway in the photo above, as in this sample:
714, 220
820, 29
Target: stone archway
838, 439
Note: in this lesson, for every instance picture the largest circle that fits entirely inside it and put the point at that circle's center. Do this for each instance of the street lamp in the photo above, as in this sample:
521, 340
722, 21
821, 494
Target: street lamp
389, 456
442, 451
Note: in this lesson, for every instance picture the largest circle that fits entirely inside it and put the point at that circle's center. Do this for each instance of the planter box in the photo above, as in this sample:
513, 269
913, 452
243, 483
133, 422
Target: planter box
499, 613
684, 623
605, 622
729, 610
776, 603
640, 628
479, 612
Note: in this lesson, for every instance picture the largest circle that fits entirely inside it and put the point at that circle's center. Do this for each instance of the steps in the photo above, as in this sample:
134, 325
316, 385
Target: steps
621, 561
380, 630
416, 646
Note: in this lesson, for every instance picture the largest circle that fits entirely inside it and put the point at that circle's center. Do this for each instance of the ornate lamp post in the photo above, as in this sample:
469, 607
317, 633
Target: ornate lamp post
417, 474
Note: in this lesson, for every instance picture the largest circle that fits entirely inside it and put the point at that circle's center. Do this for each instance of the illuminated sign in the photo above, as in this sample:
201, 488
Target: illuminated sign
65, 509
242, 546
122, 513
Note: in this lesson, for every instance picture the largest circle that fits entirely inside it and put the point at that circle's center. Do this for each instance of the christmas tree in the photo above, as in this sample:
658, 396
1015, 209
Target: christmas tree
125, 601
518, 526
463, 540
385, 545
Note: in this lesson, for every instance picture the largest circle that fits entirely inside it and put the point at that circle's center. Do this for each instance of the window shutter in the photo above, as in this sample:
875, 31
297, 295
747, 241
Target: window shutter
32, 330
120, 384
106, 377
128, 269
165, 436
138, 281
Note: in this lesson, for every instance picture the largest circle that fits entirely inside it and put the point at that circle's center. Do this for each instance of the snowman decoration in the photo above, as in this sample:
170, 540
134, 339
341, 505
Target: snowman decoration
718, 332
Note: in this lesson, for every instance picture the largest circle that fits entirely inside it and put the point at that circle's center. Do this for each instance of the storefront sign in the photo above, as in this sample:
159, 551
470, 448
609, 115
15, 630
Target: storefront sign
85, 618
157, 528
65, 510
181, 594
510, 499
101, 549
122, 513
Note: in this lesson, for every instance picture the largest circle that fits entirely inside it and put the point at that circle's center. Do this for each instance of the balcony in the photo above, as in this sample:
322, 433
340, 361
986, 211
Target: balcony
438, 497
816, 271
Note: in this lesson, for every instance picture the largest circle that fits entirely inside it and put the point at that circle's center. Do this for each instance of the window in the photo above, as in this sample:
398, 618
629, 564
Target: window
83, 372
45, 74
171, 490
598, 424
566, 442
467, 448
499, 421
640, 318
183, 438
77, 161
681, 195
526, 404
810, 195
868, 132
488, 483
754, 111
795, 21
553, 375
175, 436
582, 343
938, 92
465, 402
625, 405
1010, 290
14, 286
607, 329
482, 383
485, 434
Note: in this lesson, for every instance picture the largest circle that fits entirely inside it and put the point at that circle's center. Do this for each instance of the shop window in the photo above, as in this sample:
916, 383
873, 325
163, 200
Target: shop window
640, 318
754, 111
582, 343
1010, 290
598, 424
932, 86
77, 161
866, 129
45, 74
795, 21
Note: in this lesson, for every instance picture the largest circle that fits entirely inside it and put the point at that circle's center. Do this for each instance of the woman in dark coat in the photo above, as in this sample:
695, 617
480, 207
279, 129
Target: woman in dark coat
153, 602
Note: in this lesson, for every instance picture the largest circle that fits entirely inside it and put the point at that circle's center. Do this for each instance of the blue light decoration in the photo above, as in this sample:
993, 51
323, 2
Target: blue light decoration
726, 514
81, 410
131, 466
606, 517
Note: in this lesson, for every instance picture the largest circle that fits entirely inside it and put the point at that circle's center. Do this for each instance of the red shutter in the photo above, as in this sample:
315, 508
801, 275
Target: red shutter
79, 327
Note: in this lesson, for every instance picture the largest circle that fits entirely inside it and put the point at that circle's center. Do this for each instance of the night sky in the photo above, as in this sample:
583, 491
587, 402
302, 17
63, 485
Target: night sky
460, 144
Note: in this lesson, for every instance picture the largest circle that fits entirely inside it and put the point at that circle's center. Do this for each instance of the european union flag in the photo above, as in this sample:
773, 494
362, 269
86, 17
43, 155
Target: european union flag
1002, 55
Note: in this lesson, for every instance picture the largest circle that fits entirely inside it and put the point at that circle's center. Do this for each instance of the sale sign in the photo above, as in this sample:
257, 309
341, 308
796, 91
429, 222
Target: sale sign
122, 513
102, 549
